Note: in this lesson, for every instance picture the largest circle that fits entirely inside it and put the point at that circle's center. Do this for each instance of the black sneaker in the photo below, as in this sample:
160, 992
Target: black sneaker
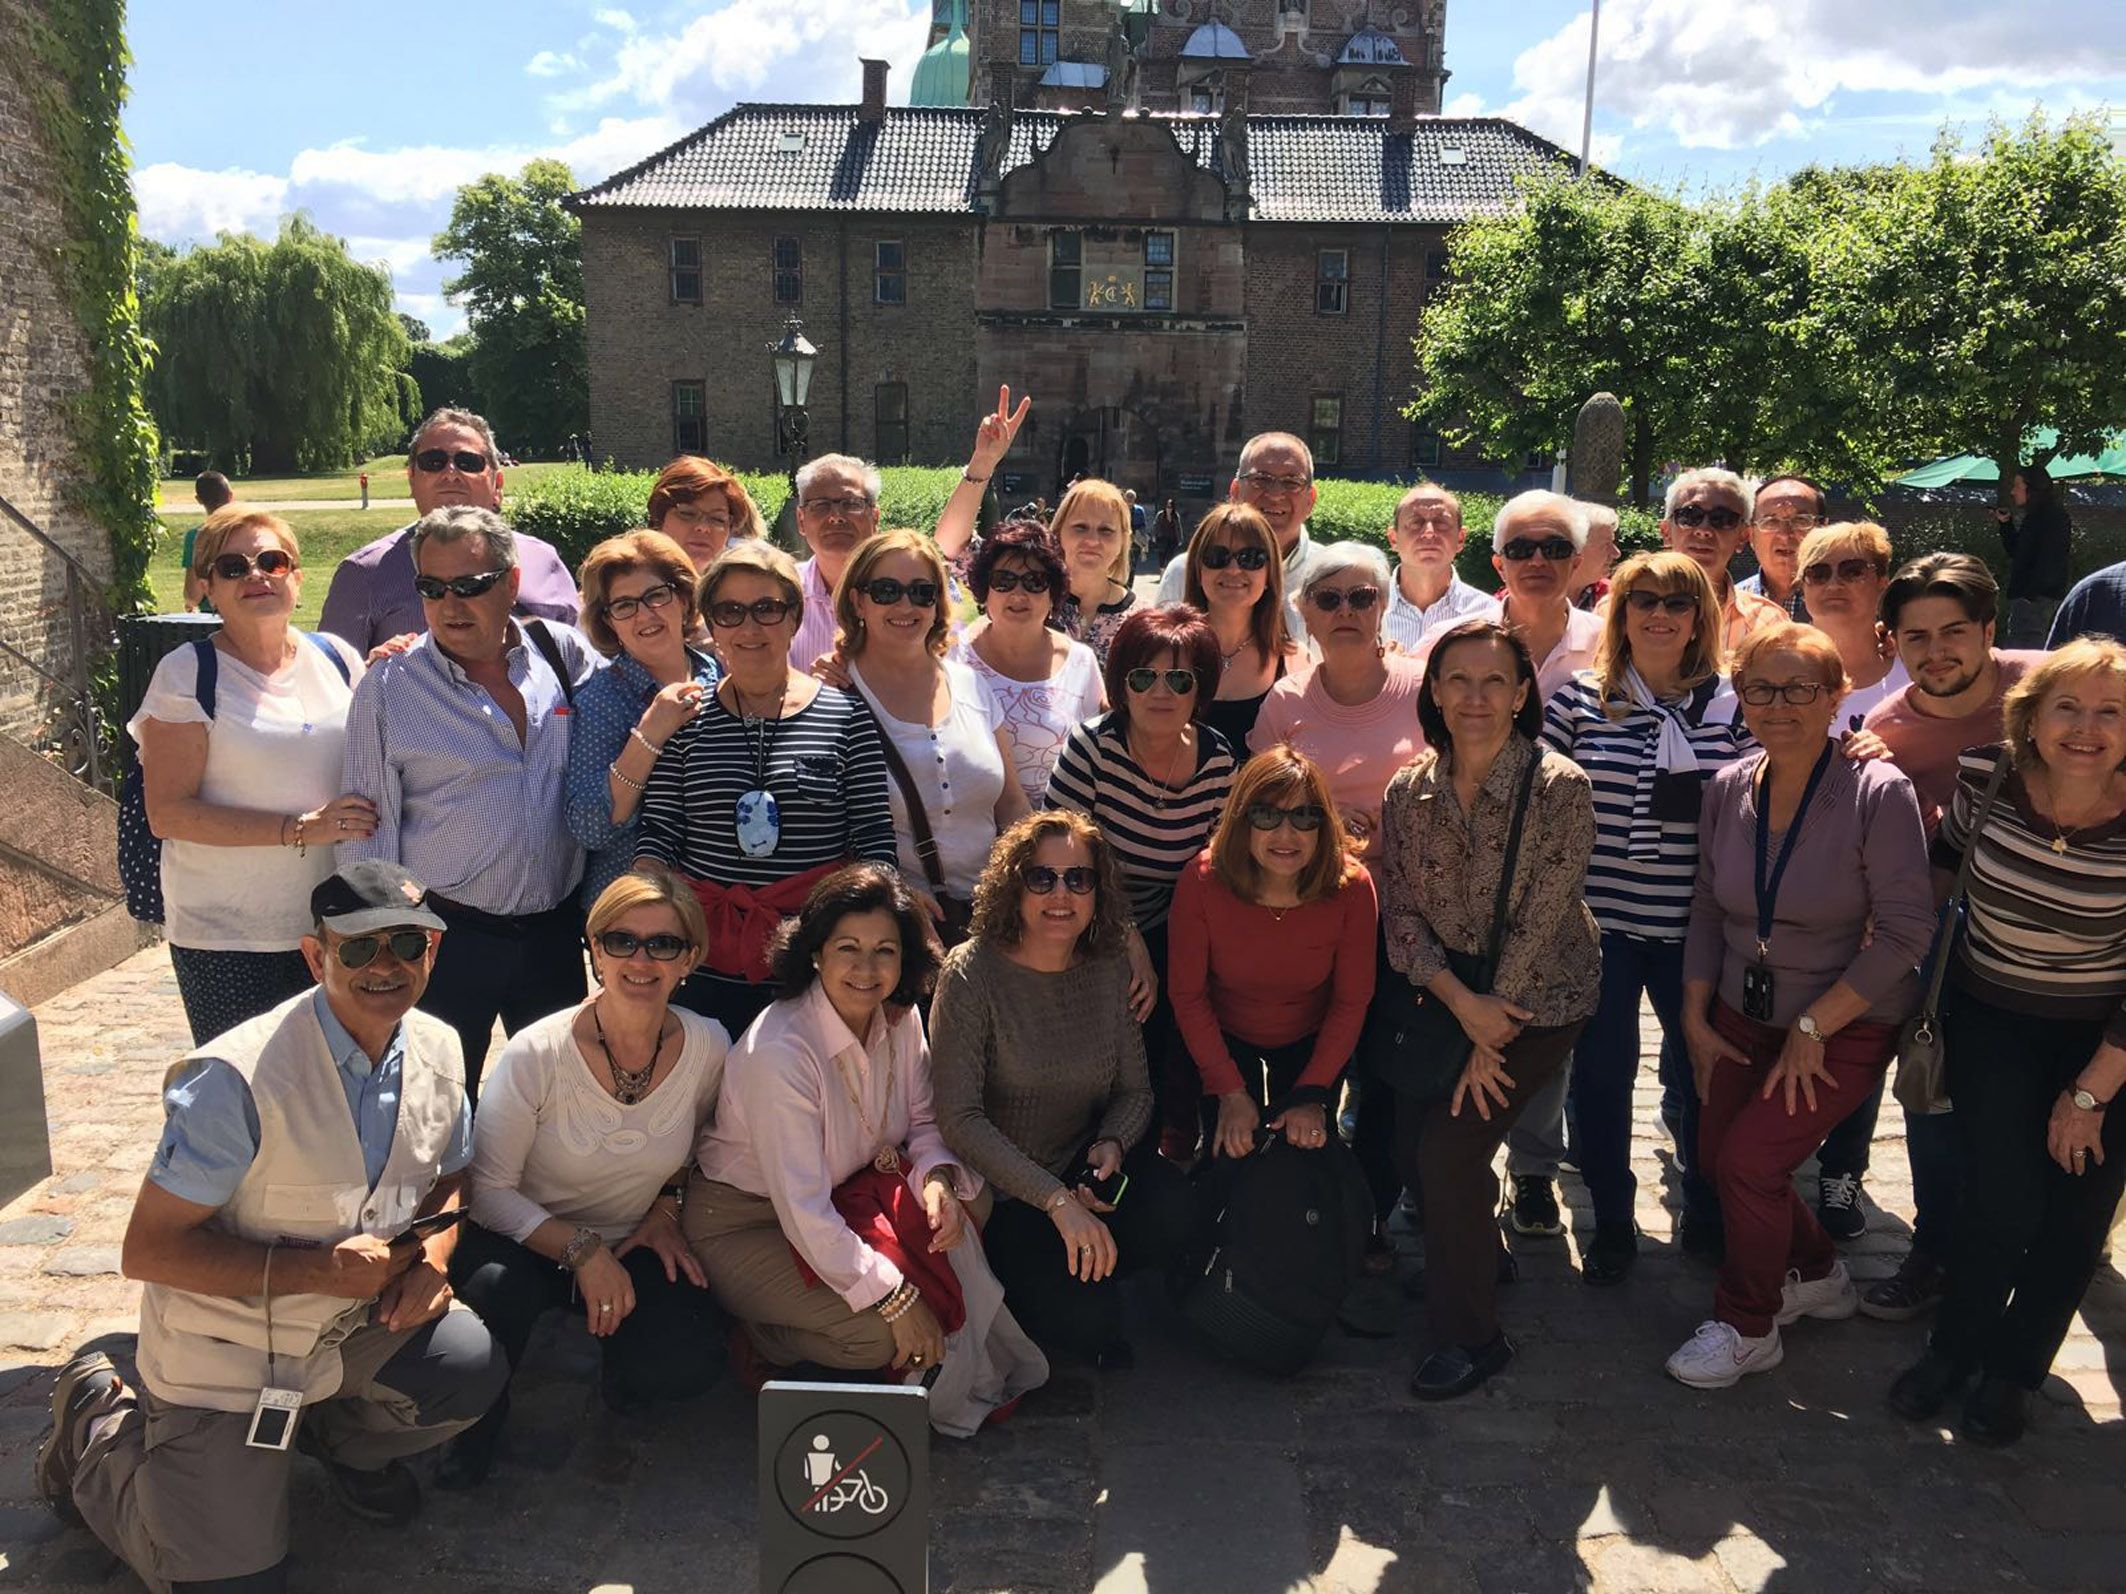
1455, 1369
1533, 1206
86, 1385
1610, 1257
388, 1495
1838, 1206
1915, 1289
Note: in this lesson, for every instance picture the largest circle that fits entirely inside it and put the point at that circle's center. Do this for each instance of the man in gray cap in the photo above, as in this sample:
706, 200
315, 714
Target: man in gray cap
295, 1272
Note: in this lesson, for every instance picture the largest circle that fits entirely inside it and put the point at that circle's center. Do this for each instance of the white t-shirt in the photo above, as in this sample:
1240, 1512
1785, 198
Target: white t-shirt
1040, 715
275, 742
550, 1141
1853, 707
958, 771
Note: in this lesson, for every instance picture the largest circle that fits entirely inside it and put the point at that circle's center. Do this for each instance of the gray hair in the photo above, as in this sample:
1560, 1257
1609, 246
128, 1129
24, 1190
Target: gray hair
460, 418
1338, 557
1710, 476
808, 472
1540, 503
459, 521
1263, 440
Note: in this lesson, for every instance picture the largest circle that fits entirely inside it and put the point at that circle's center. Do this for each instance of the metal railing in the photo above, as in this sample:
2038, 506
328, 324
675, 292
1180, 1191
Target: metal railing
73, 735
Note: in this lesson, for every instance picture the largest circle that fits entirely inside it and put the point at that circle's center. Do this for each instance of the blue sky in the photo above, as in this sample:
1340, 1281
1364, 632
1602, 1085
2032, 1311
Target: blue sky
370, 127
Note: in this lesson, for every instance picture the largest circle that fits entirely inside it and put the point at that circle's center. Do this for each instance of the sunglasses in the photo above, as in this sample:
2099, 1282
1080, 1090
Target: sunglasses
1144, 678
1304, 819
1824, 571
731, 614
1329, 599
885, 591
434, 461
435, 588
1041, 880
1555, 549
1797, 693
268, 562
1696, 515
359, 951
663, 946
1031, 582
657, 597
1217, 556
1642, 601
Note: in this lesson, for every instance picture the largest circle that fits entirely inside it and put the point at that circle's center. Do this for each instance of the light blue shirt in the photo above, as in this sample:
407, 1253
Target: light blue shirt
608, 706
211, 1131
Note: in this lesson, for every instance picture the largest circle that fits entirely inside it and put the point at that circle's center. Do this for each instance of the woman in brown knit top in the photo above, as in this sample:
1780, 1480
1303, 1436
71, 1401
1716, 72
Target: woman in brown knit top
1039, 1081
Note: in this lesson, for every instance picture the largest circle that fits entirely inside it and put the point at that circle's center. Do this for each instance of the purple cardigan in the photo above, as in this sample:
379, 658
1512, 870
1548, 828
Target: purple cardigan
1861, 854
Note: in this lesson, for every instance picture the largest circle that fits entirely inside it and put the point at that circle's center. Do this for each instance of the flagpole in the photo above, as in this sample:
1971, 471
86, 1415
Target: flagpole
1594, 33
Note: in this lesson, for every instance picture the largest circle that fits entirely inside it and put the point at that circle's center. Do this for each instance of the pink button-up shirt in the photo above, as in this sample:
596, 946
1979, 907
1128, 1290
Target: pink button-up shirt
787, 1128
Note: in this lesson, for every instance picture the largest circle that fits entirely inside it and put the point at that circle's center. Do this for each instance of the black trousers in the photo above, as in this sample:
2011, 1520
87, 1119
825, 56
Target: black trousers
517, 970
2028, 1233
1152, 1224
1270, 1074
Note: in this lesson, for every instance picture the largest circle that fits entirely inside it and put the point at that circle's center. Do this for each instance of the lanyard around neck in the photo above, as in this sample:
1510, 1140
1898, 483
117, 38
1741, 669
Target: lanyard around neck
1768, 888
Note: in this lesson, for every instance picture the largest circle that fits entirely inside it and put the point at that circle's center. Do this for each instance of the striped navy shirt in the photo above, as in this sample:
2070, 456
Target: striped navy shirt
1155, 829
1646, 896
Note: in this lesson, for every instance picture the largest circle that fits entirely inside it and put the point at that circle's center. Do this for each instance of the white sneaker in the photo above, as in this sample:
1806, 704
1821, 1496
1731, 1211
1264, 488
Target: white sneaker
1718, 1356
1832, 1297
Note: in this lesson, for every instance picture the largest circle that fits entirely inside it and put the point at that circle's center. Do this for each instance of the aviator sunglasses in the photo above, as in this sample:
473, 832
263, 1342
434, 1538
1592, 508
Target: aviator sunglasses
1144, 678
269, 562
1847, 571
359, 951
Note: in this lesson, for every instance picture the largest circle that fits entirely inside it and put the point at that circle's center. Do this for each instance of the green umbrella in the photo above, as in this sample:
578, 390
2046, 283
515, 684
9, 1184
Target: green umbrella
1976, 468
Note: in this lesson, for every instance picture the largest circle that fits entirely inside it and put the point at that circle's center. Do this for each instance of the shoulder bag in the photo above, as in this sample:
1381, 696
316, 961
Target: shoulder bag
959, 911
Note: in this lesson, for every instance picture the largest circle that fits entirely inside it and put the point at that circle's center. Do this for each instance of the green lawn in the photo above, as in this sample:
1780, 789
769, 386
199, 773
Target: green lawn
387, 479
327, 537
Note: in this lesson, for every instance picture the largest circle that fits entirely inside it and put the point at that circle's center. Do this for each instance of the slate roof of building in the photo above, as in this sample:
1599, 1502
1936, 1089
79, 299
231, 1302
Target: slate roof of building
923, 160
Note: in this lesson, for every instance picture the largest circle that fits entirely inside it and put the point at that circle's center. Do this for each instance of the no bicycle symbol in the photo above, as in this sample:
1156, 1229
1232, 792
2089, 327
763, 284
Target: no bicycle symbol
842, 1474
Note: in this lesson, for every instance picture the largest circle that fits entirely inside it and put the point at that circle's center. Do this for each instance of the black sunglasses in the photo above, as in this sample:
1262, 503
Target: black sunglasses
1041, 880
663, 946
1268, 816
435, 588
1329, 599
359, 951
1031, 582
1144, 678
658, 597
434, 461
1217, 556
885, 591
1720, 518
1642, 600
269, 562
1555, 549
731, 614
1824, 571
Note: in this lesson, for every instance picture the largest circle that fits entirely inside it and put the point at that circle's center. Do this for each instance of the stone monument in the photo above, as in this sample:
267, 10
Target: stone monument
1597, 461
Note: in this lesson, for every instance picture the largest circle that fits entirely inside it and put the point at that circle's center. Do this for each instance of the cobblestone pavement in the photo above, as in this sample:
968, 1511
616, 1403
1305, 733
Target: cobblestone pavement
1581, 1467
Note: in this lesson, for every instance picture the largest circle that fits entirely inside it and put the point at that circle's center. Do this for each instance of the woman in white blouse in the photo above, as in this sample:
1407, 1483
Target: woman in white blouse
947, 763
244, 787
580, 1149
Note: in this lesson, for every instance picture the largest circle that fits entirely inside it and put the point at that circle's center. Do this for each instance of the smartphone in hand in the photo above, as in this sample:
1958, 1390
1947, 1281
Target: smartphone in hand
1110, 1190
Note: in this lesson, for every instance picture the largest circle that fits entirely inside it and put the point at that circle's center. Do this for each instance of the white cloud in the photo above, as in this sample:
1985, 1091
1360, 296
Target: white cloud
1469, 104
186, 202
549, 63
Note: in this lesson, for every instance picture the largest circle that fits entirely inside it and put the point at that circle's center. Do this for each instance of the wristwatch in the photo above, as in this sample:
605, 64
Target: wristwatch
1808, 1026
2082, 1099
579, 1248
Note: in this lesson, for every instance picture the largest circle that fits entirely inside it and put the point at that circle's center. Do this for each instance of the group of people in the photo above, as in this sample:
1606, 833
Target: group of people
949, 911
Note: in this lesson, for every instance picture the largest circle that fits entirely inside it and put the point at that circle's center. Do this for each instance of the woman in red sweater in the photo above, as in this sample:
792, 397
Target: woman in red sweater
1271, 953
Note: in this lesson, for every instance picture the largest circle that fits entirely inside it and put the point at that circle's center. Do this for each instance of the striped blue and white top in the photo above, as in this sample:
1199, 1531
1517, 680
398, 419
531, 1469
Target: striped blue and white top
1641, 890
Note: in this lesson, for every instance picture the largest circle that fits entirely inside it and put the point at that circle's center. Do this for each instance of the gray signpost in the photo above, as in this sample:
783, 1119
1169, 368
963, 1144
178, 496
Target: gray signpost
844, 1489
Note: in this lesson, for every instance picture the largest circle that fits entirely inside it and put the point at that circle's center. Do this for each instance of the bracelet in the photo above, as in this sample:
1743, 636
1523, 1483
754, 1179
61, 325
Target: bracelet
1058, 1201
898, 1303
677, 1190
301, 847
286, 820
579, 1248
635, 732
626, 780
970, 477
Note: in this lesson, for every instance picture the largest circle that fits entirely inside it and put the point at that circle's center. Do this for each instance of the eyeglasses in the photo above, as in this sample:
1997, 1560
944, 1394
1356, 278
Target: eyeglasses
731, 614
708, 519
658, 597
1217, 556
268, 562
1329, 599
1263, 482
835, 506
663, 946
1144, 678
1555, 549
1803, 521
435, 461
885, 591
1304, 819
359, 951
1041, 880
1720, 518
1642, 600
434, 588
1031, 582
1428, 520
1796, 693
1848, 571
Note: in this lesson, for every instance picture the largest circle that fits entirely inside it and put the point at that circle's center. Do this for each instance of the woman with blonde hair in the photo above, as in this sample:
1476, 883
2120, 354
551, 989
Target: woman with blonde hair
1234, 573
1270, 957
1091, 527
1844, 569
1650, 724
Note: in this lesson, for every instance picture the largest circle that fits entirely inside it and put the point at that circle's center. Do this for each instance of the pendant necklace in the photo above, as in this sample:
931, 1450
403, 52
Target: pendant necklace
1166, 787
757, 814
629, 1086
886, 1159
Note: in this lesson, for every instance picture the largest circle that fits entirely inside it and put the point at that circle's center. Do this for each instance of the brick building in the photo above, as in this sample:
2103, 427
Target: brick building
1163, 282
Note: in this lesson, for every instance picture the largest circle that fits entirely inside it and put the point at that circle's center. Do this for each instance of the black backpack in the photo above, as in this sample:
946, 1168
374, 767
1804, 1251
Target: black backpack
1285, 1238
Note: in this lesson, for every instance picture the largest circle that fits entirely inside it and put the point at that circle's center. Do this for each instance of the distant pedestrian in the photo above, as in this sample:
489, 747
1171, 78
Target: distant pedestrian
2039, 555
365, 489
213, 491
1166, 533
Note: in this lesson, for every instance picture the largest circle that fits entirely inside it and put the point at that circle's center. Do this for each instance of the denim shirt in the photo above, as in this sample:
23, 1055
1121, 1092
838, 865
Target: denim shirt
609, 705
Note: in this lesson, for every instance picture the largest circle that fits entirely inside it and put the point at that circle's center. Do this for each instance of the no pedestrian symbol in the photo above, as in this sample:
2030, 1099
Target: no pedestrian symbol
845, 1489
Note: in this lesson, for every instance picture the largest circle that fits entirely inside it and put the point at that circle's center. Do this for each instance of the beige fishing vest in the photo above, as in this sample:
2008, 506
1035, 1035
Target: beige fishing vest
307, 1186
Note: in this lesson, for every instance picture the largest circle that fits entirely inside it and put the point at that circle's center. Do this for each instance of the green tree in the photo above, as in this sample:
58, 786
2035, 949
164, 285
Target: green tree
522, 289
444, 373
280, 356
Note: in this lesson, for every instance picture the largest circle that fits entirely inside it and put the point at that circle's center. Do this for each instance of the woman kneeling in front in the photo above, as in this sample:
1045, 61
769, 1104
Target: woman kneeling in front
579, 1148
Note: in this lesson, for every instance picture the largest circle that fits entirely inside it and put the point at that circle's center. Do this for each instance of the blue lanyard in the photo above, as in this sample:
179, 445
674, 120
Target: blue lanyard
1768, 889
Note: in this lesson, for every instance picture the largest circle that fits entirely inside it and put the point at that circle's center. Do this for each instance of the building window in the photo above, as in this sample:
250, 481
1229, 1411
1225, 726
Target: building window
891, 271
1203, 100
1158, 271
1425, 451
1369, 99
686, 271
1435, 265
1326, 435
690, 417
1066, 258
889, 422
1332, 281
789, 271
1039, 21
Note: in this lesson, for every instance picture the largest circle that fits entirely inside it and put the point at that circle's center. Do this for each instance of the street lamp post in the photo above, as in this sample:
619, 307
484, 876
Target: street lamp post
792, 358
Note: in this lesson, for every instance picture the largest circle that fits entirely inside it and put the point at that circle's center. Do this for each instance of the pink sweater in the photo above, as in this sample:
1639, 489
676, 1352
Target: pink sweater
1358, 746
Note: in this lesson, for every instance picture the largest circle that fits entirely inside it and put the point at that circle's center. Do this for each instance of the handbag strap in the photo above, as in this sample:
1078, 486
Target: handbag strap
926, 847
1507, 863
1963, 879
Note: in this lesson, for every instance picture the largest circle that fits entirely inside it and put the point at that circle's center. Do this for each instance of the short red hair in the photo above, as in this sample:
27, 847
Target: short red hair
690, 477
1177, 628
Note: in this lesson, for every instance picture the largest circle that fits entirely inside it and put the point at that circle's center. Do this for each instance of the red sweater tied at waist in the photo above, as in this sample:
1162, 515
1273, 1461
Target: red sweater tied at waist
888, 1216
743, 920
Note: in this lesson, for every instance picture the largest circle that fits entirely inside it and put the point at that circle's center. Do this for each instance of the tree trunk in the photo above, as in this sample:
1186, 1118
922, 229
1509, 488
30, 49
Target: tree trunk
1642, 459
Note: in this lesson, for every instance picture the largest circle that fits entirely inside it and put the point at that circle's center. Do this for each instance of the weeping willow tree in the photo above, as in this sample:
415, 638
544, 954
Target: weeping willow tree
277, 356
